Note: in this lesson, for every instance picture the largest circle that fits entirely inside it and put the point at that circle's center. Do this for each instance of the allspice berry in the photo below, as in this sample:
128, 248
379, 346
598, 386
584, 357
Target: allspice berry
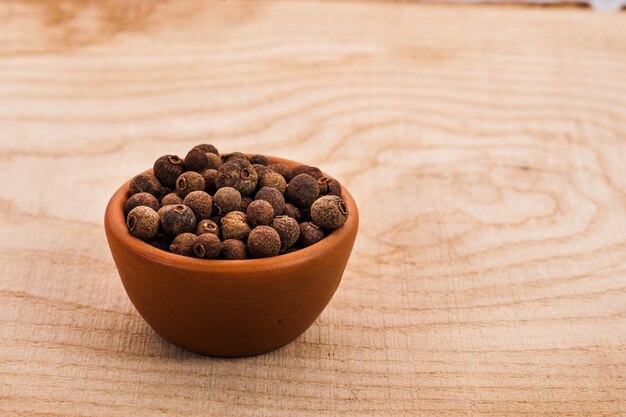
143, 222
315, 172
239, 174
145, 183
207, 226
309, 234
200, 203
196, 160
141, 199
188, 182
259, 213
329, 186
259, 159
233, 249
171, 199
160, 241
272, 196
274, 180
263, 242
208, 148
261, 171
282, 169
302, 190
168, 168
235, 226
245, 202
292, 211
207, 246
209, 175
329, 212
288, 230
177, 219
227, 199
183, 244
235, 155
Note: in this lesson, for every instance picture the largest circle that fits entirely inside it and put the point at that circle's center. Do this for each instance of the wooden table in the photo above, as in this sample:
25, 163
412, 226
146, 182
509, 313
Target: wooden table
485, 145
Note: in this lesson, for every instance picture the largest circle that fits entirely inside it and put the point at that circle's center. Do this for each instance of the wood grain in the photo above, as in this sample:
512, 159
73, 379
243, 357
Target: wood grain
485, 147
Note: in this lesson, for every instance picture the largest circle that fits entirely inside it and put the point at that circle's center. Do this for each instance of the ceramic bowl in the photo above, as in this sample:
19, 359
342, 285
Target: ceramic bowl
229, 308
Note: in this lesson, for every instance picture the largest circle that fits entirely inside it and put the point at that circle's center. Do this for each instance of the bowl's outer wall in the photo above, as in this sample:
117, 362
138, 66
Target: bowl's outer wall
238, 310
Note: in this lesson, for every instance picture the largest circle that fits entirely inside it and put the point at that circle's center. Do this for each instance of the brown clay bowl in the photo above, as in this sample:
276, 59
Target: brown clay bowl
229, 308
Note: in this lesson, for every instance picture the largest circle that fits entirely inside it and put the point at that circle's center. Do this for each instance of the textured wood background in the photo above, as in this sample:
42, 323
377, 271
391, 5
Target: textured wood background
486, 147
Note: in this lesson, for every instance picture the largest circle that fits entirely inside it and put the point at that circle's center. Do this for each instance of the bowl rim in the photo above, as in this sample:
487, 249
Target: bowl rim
115, 224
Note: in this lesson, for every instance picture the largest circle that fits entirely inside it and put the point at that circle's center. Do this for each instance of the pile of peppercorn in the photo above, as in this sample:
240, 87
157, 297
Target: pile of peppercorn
232, 206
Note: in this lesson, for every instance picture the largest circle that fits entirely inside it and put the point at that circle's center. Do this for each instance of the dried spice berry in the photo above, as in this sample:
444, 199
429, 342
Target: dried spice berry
143, 222
302, 191
329, 212
288, 230
245, 202
239, 174
235, 226
207, 246
207, 226
201, 203
183, 244
292, 211
177, 219
274, 180
305, 215
315, 172
189, 182
196, 160
282, 169
160, 241
227, 199
259, 213
208, 148
171, 199
209, 175
234, 155
309, 234
163, 209
233, 249
261, 171
259, 159
272, 196
141, 199
168, 168
329, 186
145, 183
263, 242
214, 161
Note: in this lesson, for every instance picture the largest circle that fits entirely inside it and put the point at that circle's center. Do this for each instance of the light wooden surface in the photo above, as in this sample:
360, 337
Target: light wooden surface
486, 147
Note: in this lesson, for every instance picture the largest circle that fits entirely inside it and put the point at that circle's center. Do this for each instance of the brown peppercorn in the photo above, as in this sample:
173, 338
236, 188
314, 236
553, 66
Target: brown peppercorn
214, 161
163, 209
239, 174
143, 222
235, 226
263, 242
305, 215
315, 172
329, 212
183, 244
282, 169
288, 230
145, 183
168, 168
171, 199
209, 175
292, 211
201, 203
227, 199
207, 226
302, 190
141, 199
233, 249
272, 196
207, 246
160, 241
196, 160
208, 148
274, 180
189, 182
234, 155
177, 219
245, 202
309, 234
329, 186
261, 171
259, 213
259, 159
